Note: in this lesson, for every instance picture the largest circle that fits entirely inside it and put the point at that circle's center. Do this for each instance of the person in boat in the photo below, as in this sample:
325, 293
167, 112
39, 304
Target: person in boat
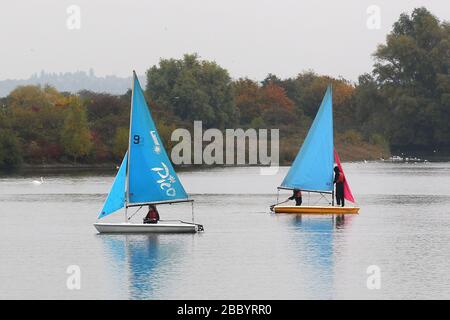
152, 215
297, 196
339, 181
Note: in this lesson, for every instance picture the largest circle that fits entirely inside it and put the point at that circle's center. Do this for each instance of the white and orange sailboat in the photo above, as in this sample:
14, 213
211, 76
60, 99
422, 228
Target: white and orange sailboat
312, 169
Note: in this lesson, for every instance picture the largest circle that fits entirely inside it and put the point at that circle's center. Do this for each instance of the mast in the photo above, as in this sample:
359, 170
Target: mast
127, 196
332, 121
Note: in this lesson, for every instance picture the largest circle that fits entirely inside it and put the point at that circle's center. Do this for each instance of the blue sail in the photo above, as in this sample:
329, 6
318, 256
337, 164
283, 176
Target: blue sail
313, 167
150, 172
116, 196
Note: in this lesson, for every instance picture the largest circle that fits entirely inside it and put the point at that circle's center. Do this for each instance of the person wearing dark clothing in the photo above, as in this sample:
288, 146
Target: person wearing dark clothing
297, 195
339, 181
152, 215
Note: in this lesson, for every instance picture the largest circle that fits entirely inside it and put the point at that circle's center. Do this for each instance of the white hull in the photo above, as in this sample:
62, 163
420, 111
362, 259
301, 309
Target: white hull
160, 227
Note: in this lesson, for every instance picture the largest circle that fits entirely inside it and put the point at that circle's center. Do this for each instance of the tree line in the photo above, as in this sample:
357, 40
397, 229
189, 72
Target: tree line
403, 104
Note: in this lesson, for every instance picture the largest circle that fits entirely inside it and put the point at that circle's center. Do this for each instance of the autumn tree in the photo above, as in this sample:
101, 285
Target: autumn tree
248, 100
37, 114
277, 109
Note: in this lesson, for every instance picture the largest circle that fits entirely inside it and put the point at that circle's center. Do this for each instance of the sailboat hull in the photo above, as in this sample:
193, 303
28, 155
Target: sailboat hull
316, 210
161, 227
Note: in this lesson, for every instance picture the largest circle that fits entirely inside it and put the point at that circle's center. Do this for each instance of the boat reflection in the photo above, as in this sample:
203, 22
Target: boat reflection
317, 251
141, 263
337, 221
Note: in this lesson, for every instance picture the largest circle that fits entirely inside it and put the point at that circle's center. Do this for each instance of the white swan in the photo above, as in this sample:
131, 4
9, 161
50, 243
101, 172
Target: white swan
37, 182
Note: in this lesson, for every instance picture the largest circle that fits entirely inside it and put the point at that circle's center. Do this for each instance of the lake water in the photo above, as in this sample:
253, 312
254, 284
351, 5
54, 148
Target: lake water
245, 252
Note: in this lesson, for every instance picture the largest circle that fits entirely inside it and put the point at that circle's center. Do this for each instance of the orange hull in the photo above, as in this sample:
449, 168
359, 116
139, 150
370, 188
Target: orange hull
316, 210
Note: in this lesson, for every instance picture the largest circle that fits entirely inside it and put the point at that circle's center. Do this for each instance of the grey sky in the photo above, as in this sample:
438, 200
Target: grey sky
248, 37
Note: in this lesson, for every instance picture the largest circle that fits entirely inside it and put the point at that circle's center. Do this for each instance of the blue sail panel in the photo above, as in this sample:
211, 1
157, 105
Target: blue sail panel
116, 196
312, 169
150, 172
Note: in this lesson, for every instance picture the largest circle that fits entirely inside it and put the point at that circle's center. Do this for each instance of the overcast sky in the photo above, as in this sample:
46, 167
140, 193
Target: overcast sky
247, 37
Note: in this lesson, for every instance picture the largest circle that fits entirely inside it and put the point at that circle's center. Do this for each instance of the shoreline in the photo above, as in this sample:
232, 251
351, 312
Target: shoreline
111, 167
68, 166
363, 154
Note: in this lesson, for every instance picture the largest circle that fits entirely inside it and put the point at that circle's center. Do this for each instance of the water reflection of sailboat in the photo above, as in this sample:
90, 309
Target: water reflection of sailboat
317, 252
340, 221
144, 260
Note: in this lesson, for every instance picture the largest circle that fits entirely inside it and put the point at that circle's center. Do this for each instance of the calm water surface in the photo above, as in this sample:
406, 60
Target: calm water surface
245, 252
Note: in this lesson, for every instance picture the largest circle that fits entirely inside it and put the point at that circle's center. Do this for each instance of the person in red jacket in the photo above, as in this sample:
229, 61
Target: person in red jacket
152, 215
339, 181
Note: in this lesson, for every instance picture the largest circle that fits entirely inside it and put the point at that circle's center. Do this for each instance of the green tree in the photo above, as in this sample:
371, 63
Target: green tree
412, 77
75, 136
10, 153
105, 113
371, 108
120, 142
192, 89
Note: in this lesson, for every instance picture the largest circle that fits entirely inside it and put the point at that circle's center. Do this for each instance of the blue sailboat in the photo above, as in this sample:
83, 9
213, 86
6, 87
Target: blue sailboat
312, 169
145, 177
